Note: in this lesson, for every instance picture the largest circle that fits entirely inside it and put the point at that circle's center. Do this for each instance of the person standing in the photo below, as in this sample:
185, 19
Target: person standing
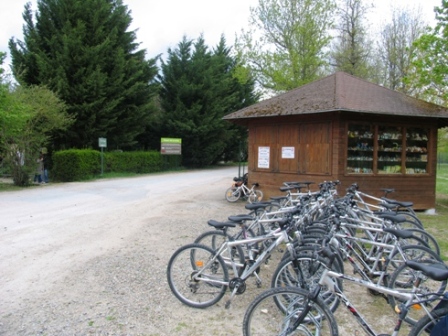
44, 167
39, 168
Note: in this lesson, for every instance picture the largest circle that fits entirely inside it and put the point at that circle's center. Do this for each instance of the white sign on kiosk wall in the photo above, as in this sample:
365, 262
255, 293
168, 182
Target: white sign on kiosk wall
263, 157
287, 152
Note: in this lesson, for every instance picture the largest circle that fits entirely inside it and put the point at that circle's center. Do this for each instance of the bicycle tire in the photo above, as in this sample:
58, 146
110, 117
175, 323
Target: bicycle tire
305, 272
310, 249
200, 292
412, 217
411, 252
215, 239
263, 317
255, 196
428, 238
425, 324
233, 194
403, 279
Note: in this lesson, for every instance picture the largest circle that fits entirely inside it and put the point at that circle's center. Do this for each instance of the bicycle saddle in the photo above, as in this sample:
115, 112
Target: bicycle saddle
438, 272
402, 204
392, 217
240, 218
220, 225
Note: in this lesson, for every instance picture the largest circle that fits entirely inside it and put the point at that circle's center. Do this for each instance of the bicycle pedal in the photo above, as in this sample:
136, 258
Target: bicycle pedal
227, 305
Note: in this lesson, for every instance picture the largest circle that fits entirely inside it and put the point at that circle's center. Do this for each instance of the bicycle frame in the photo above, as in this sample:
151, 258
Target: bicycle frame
280, 236
410, 298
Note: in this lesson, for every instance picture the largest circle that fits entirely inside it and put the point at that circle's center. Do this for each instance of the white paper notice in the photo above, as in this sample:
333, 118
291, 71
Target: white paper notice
263, 157
287, 152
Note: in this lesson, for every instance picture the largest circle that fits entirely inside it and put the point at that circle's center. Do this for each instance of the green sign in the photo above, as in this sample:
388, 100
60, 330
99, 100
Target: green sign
171, 146
171, 140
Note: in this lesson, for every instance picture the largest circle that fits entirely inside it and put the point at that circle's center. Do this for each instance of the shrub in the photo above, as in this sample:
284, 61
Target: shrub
132, 162
76, 164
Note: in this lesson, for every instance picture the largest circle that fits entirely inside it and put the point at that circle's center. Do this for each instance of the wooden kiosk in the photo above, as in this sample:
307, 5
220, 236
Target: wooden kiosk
347, 129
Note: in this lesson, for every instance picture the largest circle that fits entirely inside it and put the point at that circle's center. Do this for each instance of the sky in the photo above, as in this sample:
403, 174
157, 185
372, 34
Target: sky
161, 24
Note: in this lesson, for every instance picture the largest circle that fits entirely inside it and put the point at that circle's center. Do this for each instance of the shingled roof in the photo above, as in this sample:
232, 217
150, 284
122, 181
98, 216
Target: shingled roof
341, 92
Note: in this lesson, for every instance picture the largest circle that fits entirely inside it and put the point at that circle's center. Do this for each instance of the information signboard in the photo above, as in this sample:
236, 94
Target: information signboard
102, 142
171, 146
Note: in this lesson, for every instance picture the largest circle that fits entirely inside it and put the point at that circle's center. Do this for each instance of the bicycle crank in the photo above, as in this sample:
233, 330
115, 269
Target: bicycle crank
239, 284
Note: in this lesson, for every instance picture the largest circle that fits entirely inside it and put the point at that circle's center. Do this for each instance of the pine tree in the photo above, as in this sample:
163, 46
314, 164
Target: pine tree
84, 52
199, 87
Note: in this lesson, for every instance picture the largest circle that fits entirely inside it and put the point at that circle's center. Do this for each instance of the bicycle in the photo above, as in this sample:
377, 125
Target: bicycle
199, 276
384, 260
240, 189
294, 311
384, 203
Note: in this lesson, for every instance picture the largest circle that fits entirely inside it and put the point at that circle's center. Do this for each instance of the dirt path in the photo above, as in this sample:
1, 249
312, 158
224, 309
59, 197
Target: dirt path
90, 258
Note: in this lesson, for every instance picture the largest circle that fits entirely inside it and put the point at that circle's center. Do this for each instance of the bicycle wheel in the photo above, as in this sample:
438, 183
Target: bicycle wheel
233, 194
410, 252
196, 276
215, 239
309, 248
263, 316
403, 280
305, 272
411, 217
429, 239
426, 323
255, 196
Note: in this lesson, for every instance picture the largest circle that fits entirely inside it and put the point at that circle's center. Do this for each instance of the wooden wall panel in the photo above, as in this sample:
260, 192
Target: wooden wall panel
288, 136
314, 148
321, 142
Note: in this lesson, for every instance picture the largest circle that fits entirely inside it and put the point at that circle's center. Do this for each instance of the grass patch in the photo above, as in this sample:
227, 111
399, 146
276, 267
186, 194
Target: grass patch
181, 326
115, 175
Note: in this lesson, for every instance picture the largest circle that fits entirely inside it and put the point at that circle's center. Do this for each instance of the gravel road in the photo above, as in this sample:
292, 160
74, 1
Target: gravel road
90, 258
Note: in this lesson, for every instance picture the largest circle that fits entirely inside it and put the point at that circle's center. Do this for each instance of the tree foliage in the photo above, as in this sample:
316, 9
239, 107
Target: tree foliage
83, 51
286, 43
428, 74
199, 87
352, 50
396, 47
28, 117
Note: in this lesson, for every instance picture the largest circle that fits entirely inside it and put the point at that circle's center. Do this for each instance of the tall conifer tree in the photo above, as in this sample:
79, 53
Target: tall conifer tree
84, 51
198, 87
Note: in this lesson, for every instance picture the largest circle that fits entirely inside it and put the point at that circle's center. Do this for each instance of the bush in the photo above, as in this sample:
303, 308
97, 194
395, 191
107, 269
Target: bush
75, 164
132, 162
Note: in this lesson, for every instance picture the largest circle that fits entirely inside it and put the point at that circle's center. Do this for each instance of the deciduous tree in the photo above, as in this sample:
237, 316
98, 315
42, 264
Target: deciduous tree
428, 75
28, 117
286, 43
396, 46
352, 50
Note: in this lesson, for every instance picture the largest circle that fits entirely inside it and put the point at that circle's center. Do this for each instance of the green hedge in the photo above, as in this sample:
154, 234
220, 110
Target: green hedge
75, 164
132, 162
78, 165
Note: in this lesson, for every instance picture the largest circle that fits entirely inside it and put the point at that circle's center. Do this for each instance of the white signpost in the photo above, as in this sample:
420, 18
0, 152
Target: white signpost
102, 143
